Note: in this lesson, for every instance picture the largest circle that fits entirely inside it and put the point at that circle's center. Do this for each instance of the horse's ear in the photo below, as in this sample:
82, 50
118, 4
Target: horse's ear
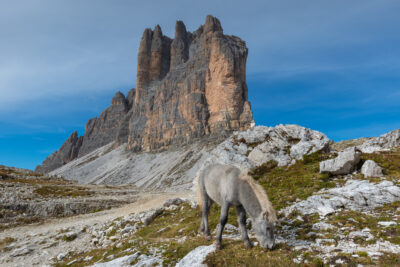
270, 216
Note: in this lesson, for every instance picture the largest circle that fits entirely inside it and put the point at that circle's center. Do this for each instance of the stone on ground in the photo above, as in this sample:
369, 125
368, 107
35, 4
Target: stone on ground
196, 257
345, 163
371, 169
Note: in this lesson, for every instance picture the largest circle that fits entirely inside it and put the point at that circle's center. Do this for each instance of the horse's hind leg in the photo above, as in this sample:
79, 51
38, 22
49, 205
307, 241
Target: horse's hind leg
222, 221
207, 202
241, 213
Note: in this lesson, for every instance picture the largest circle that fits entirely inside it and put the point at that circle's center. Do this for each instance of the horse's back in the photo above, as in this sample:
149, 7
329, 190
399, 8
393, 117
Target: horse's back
220, 182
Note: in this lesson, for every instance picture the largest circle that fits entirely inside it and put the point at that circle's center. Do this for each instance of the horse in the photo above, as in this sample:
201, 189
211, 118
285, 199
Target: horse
229, 186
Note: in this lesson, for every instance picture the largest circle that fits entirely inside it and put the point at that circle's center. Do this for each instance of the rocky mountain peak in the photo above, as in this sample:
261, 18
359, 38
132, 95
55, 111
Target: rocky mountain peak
188, 87
118, 99
130, 97
212, 24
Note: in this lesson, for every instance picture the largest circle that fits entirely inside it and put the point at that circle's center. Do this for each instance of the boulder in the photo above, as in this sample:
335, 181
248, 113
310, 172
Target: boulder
345, 163
149, 216
371, 169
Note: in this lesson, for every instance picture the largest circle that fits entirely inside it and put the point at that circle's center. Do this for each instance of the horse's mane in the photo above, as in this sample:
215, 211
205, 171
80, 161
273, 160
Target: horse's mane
266, 206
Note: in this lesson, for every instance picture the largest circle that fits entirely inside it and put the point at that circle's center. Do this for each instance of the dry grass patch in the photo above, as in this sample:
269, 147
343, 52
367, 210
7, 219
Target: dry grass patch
62, 191
4, 242
286, 184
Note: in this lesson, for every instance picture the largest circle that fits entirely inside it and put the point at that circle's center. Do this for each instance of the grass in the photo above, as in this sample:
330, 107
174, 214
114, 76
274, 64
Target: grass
299, 181
5, 241
283, 185
179, 223
68, 238
184, 222
388, 161
235, 254
62, 191
359, 220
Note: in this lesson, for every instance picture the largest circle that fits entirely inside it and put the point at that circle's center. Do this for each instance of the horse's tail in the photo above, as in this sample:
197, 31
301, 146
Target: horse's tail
199, 198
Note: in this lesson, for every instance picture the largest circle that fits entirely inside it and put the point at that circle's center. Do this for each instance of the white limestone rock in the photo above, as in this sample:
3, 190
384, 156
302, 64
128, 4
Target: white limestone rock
61, 256
371, 169
284, 144
345, 163
196, 257
354, 195
384, 142
21, 251
387, 224
322, 226
149, 216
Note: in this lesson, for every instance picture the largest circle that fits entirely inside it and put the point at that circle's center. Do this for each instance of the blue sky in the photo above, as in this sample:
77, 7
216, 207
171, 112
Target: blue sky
333, 66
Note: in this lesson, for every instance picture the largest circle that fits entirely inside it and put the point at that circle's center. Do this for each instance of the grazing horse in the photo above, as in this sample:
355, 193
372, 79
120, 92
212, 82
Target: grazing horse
228, 186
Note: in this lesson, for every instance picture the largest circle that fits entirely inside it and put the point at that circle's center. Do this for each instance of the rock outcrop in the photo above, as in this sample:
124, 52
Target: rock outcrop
67, 152
186, 88
345, 163
175, 169
102, 130
283, 143
354, 195
384, 142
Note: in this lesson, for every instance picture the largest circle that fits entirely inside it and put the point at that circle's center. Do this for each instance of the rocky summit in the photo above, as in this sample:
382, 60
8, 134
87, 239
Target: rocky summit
188, 87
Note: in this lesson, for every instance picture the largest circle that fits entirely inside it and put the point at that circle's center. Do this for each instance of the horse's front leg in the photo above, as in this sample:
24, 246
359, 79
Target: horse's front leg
242, 224
222, 221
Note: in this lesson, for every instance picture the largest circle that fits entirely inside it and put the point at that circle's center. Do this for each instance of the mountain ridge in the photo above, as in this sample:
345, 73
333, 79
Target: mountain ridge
187, 88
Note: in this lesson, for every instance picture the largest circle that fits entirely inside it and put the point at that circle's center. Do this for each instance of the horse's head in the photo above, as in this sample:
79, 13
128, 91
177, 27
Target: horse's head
264, 229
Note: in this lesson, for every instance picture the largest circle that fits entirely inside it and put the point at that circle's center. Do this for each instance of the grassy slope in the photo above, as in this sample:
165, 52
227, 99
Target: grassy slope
283, 185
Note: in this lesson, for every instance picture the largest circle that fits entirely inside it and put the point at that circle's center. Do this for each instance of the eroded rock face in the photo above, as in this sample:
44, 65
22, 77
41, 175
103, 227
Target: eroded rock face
203, 91
98, 132
188, 87
102, 130
67, 152
345, 163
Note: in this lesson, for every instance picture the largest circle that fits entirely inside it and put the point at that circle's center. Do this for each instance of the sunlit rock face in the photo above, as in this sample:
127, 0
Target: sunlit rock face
187, 88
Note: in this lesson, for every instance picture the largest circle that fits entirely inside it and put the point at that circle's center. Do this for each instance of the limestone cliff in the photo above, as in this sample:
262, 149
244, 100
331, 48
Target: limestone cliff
187, 88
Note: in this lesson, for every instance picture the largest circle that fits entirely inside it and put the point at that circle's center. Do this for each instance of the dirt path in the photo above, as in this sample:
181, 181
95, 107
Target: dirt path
32, 237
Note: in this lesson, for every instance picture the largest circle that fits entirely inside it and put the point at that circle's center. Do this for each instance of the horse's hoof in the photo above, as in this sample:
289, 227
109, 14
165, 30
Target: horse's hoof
218, 246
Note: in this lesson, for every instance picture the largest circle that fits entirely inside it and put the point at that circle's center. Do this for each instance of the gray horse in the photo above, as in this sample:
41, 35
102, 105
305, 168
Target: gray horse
228, 186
